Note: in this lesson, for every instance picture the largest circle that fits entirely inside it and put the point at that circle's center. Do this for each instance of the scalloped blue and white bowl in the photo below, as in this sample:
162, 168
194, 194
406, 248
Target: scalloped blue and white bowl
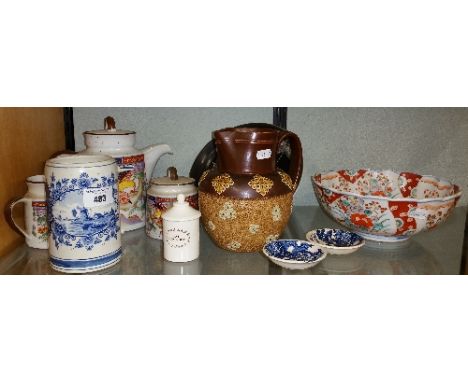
335, 241
293, 254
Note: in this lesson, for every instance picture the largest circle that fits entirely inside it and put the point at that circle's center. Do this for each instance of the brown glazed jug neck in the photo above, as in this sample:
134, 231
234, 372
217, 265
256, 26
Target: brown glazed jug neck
242, 150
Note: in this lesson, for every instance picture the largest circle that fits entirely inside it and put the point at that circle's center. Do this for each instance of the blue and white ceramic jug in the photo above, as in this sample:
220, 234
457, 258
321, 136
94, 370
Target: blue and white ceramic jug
83, 212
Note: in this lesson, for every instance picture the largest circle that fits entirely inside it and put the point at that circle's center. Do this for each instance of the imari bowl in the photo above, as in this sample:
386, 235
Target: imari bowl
385, 205
293, 254
335, 241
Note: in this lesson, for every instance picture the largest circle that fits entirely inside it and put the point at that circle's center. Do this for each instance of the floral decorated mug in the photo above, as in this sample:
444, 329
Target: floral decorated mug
162, 194
35, 213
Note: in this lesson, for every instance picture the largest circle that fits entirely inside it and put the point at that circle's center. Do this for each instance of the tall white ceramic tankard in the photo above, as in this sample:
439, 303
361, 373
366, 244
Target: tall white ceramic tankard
83, 212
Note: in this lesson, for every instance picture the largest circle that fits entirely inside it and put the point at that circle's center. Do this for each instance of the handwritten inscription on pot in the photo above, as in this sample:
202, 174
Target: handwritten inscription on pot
177, 237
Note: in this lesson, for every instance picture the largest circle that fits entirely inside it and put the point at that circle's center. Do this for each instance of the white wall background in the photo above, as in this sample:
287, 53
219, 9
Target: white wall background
423, 140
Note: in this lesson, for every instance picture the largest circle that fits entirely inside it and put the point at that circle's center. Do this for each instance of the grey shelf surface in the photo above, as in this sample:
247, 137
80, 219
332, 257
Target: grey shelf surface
438, 251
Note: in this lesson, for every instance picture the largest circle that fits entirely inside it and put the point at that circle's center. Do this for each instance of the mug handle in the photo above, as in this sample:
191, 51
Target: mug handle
12, 205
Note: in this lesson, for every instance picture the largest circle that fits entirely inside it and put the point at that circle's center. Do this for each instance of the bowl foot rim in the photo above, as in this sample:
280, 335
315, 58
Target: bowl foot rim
383, 239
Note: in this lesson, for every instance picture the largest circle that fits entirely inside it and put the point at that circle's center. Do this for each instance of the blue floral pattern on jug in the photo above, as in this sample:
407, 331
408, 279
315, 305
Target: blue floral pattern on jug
337, 237
83, 230
296, 250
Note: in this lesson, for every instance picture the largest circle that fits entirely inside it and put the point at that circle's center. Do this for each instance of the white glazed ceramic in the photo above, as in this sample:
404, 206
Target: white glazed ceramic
181, 231
83, 213
193, 267
162, 194
384, 205
294, 263
329, 240
135, 168
36, 231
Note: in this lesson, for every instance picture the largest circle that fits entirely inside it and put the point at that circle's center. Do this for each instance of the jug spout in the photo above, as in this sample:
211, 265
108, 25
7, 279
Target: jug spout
152, 154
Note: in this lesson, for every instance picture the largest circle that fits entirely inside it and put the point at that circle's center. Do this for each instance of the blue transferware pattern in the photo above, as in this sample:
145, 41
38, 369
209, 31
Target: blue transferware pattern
336, 237
96, 263
295, 250
84, 229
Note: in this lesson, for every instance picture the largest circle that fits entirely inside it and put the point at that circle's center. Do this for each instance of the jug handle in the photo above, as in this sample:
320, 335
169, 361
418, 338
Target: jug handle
296, 164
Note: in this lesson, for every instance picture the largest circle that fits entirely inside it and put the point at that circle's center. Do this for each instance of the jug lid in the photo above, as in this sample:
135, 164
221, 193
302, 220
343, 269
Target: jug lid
181, 211
172, 179
109, 129
80, 161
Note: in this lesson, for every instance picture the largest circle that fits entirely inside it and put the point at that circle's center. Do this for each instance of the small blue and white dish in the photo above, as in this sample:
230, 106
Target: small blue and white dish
293, 254
335, 241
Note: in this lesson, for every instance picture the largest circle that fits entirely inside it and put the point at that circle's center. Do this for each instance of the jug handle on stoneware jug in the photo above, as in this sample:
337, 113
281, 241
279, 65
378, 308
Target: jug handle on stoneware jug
295, 166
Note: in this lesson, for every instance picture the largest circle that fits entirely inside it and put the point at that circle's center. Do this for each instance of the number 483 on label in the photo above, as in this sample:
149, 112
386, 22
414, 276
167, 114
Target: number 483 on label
95, 197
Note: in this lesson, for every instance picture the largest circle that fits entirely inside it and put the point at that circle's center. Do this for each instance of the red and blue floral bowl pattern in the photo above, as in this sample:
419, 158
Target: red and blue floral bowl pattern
385, 205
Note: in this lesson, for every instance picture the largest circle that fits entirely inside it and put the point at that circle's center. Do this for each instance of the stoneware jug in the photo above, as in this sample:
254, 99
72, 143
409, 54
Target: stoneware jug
36, 231
83, 212
135, 168
245, 200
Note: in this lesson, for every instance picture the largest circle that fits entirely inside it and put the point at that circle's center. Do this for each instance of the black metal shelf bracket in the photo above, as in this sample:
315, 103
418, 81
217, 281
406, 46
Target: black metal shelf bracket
280, 117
